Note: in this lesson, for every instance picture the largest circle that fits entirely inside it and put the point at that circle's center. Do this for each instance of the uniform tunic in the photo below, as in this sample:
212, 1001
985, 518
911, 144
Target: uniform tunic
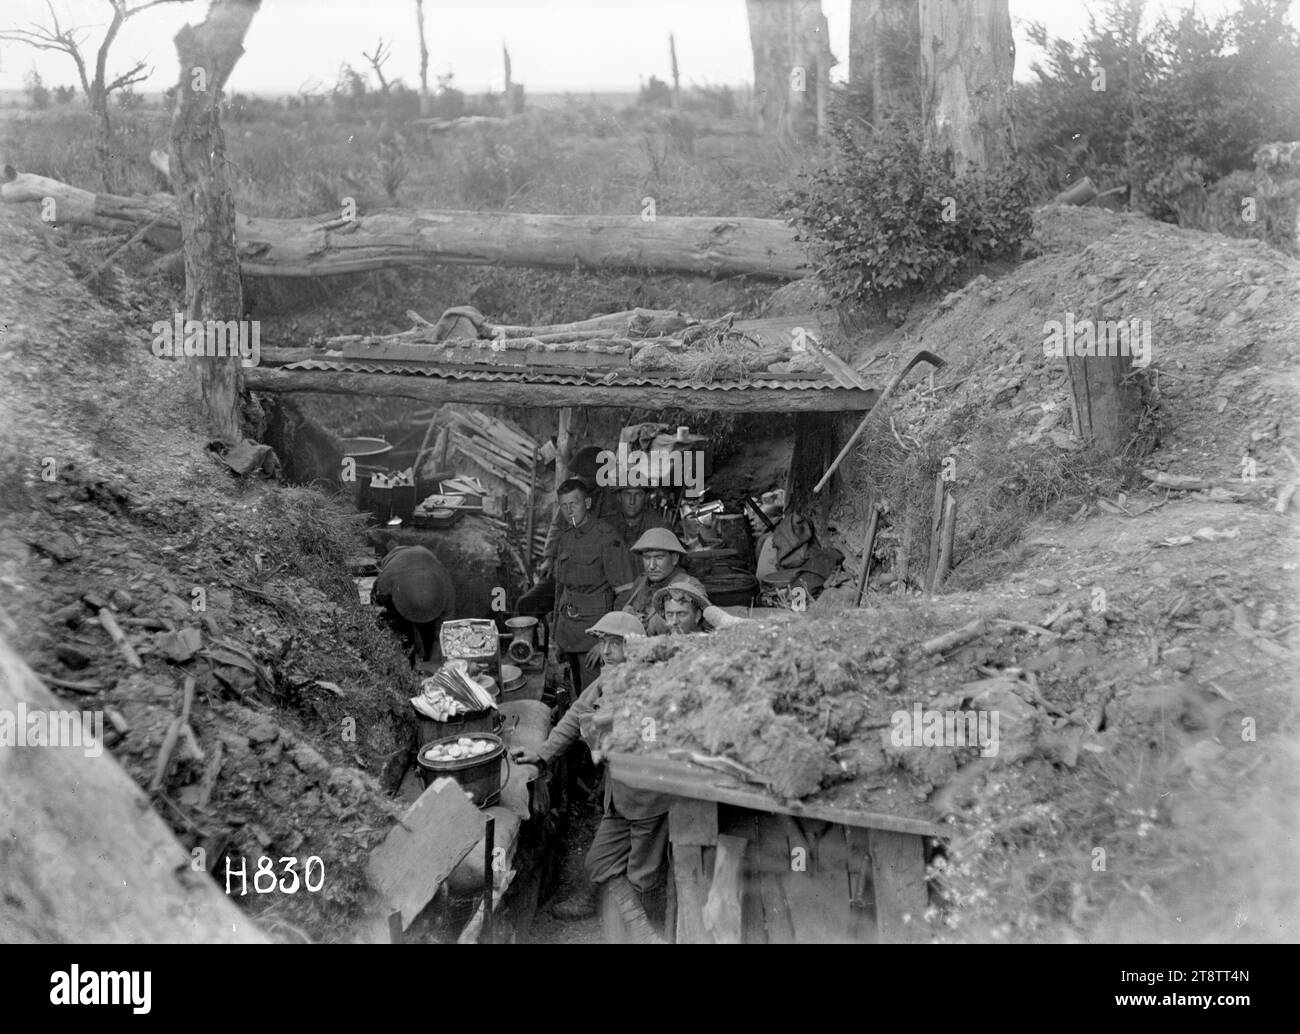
590, 561
640, 601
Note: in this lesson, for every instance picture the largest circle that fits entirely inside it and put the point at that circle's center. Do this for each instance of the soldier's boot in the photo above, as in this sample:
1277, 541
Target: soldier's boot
655, 903
581, 904
635, 921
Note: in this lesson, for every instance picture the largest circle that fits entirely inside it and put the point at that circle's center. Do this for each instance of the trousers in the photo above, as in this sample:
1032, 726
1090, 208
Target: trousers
636, 848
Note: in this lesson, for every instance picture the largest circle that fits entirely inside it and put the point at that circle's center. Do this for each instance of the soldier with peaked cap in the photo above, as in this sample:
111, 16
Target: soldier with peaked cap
629, 849
590, 560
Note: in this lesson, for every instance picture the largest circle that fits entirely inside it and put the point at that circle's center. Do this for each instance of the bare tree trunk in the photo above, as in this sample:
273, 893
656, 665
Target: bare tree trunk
770, 37
103, 140
967, 57
791, 63
677, 78
885, 55
812, 54
509, 108
213, 291
424, 66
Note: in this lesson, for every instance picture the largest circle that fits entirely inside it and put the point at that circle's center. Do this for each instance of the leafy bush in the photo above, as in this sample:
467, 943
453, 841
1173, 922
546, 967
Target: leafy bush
37, 92
888, 218
1168, 110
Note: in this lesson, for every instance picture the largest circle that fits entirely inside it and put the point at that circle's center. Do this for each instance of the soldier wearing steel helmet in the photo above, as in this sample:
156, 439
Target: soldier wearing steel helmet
661, 553
416, 593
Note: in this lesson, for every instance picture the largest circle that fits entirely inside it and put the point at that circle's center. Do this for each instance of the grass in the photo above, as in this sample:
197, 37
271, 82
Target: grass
1000, 491
305, 163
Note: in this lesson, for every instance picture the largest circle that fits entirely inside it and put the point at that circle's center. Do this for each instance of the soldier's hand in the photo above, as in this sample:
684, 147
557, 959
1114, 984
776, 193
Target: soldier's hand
593, 657
526, 757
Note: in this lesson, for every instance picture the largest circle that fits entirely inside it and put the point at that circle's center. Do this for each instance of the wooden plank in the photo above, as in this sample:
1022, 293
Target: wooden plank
898, 879
690, 883
433, 837
776, 913
861, 920
692, 822
682, 779
722, 908
556, 396
748, 824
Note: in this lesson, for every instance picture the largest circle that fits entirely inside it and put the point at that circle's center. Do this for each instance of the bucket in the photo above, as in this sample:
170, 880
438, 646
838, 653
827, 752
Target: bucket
365, 451
479, 776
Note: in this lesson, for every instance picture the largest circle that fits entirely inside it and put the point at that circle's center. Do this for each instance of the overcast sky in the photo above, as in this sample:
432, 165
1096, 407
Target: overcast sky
555, 45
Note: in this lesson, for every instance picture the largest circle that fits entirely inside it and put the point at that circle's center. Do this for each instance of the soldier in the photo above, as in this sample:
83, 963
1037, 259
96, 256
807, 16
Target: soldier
416, 593
590, 560
627, 854
633, 517
661, 554
683, 607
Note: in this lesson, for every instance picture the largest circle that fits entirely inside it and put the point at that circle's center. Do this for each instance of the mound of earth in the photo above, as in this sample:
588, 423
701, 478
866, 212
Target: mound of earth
112, 505
830, 705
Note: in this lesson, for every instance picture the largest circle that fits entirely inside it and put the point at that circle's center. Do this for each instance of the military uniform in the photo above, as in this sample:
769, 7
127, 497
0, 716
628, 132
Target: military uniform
590, 560
639, 600
632, 837
633, 529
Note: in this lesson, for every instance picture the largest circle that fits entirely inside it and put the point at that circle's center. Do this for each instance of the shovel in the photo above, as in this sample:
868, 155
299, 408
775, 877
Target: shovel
921, 356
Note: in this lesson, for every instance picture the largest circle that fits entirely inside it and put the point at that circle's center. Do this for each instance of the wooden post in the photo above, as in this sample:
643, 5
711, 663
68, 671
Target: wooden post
563, 445
867, 548
936, 519
722, 909
692, 826
947, 534
904, 556
1107, 404
898, 879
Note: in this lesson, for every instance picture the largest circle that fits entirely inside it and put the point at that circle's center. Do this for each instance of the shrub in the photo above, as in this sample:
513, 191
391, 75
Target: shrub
888, 218
1169, 110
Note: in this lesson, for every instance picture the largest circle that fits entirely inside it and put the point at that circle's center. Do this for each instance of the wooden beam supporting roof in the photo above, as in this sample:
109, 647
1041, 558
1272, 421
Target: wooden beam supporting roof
553, 396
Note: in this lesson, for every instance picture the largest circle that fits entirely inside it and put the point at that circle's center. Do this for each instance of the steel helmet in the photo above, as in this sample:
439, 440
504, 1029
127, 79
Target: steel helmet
692, 587
619, 623
659, 538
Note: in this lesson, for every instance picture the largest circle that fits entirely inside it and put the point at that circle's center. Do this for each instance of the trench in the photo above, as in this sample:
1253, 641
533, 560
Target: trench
314, 436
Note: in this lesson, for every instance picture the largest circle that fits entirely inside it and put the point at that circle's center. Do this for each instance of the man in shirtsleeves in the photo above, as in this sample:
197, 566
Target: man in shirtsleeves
628, 853
590, 560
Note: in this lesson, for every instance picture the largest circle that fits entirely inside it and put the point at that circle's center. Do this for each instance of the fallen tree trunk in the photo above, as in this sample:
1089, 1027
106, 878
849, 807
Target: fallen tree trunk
83, 858
331, 245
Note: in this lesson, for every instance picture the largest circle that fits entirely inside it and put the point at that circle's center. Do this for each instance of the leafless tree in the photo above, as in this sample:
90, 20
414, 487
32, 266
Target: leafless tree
424, 60
377, 60
94, 83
